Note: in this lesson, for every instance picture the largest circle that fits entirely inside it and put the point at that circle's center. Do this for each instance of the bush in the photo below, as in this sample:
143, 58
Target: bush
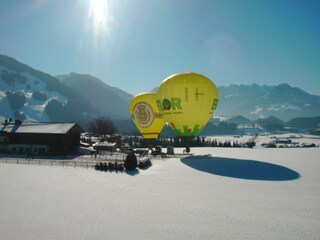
250, 144
55, 110
131, 162
40, 96
16, 99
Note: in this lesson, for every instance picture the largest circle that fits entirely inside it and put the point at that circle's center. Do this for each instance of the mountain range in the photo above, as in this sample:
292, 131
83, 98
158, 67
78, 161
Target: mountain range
254, 101
31, 95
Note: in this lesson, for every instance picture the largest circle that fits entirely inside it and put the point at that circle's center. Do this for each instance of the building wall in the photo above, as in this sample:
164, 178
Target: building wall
40, 143
27, 148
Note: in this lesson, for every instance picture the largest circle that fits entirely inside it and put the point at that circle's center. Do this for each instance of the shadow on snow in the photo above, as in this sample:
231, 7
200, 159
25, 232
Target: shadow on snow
238, 168
132, 172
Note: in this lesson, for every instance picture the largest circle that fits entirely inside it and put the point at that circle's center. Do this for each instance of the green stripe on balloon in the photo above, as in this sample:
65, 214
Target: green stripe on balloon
187, 131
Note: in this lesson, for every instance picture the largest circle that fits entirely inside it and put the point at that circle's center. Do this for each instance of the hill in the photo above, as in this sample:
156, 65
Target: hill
239, 120
31, 95
307, 122
109, 101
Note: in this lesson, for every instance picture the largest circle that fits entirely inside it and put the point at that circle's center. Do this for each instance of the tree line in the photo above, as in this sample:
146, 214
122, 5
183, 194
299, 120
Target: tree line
105, 129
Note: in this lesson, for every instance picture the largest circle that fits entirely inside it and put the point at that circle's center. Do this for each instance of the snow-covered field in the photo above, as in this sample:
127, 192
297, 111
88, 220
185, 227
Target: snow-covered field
217, 193
297, 140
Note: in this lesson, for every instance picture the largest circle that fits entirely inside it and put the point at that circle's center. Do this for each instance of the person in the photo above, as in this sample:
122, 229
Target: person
187, 149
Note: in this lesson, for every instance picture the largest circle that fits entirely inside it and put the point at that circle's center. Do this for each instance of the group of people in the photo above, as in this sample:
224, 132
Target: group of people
111, 166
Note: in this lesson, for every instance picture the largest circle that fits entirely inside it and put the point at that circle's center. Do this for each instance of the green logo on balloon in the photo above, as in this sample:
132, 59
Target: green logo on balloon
166, 104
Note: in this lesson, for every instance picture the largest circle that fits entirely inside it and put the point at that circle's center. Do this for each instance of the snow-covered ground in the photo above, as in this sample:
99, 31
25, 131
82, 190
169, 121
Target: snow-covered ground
217, 193
297, 140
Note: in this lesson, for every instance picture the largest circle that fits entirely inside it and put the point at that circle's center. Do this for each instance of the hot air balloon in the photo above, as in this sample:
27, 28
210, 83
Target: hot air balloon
146, 116
187, 101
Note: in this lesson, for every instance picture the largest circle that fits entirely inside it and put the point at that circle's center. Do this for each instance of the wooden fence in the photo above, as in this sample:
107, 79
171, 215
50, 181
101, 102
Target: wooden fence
86, 161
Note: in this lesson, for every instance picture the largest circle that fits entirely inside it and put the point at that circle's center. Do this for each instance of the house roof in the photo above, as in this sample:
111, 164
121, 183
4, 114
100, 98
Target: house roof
105, 144
48, 128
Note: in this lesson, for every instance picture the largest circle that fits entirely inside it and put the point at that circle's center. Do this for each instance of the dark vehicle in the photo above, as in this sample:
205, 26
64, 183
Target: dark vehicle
170, 150
157, 150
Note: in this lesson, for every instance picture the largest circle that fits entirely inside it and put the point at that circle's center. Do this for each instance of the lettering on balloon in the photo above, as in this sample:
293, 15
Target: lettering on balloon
169, 104
214, 104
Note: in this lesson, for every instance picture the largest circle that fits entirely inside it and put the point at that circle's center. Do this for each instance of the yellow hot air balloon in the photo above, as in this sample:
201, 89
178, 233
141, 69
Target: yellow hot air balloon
146, 116
187, 101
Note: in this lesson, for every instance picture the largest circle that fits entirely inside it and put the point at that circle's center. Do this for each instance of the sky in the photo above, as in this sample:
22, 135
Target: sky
136, 44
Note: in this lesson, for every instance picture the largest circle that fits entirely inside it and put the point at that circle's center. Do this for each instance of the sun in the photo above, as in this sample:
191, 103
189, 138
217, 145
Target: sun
99, 14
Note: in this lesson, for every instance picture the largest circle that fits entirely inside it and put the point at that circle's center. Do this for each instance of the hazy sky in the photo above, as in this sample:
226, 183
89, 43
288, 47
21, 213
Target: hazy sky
135, 44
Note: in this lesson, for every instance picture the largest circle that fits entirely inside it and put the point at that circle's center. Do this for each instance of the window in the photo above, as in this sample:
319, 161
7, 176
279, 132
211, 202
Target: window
4, 139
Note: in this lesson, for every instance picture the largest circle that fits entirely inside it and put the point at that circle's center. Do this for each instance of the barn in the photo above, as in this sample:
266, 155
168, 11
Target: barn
39, 138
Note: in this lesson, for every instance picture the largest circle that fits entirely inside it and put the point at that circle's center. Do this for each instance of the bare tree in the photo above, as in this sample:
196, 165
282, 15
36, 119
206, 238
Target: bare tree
102, 127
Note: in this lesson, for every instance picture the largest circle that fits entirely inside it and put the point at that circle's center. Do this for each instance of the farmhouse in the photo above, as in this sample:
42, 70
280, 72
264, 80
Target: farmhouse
39, 138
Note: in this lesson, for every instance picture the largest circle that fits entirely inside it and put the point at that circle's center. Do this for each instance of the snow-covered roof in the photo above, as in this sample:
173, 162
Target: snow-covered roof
50, 128
105, 144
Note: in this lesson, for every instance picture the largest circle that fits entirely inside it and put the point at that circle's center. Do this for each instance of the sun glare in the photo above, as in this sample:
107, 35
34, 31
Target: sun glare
99, 15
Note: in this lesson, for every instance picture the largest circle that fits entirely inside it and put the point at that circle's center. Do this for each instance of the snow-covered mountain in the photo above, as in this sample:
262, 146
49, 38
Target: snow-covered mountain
254, 101
30, 95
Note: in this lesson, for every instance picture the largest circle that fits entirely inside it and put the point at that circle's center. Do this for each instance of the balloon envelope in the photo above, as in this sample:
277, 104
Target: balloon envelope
187, 101
145, 115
